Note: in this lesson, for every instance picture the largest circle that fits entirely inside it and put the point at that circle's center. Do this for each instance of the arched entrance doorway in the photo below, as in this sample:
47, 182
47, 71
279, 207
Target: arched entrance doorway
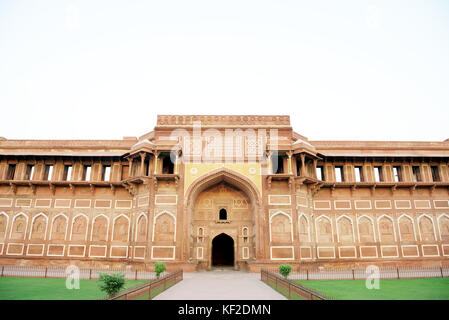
222, 250
223, 201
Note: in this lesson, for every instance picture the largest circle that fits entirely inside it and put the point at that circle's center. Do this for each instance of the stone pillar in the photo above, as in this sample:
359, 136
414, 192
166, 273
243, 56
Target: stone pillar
289, 162
142, 163
269, 167
132, 232
156, 157
176, 169
303, 164
130, 167
260, 236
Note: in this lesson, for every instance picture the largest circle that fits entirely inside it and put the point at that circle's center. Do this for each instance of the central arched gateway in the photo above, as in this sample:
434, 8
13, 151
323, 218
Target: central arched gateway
222, 250
222, 209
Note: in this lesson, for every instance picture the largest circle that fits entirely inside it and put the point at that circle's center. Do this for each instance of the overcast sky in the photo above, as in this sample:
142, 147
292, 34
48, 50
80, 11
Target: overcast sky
343, 70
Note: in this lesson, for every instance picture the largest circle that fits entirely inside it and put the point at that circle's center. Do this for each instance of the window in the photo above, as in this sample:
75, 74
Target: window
48, 172
339, 175
277, 164
320, 173
135, 167
416, 174
200, 237
125, 172
397, 172
168, 167
29, 172
106, 173
378, 174
310, 168
435, 173
223, 215
359, 174
245, 234
11, 172
86, 172
67, 174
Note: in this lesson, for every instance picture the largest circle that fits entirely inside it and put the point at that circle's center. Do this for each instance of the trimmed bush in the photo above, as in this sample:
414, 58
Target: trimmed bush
285, 270
111, 284
159, 267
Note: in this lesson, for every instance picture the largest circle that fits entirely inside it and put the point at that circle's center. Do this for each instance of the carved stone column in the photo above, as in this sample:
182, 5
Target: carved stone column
142, 163
130, 167
176, 170
261, 234
156, 158
314, 168
289, 162
303, 164
269, 166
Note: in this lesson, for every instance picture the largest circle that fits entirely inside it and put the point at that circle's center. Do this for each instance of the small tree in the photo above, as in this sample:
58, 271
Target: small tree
159, 267
111, 284
285, 270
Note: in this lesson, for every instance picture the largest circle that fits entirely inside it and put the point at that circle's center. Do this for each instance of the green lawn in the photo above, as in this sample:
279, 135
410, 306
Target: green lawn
390, 289
16, 288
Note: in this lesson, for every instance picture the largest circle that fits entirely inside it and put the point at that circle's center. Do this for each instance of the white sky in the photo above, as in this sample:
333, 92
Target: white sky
343, 70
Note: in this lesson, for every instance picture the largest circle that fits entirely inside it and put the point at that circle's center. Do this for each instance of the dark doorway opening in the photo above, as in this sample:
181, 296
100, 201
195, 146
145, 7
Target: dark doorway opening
222, 250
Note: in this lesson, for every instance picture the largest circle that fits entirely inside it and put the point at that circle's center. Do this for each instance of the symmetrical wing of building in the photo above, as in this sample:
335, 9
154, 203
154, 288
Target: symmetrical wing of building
200, 191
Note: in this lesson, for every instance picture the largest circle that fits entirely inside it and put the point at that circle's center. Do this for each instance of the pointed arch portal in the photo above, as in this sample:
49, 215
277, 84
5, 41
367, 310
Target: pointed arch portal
221, 212
222, 250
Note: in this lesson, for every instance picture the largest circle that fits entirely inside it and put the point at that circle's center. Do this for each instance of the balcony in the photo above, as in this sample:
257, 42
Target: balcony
392, 185
52, 184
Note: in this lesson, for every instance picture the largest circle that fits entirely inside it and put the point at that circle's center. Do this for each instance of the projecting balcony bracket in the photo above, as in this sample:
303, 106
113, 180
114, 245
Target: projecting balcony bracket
13, 187
393, 189
72, 188
316, 187
332, 189
92, 188
52, 188
130, 187
432, 189
412, 189
291, 184
373, 189
146, 181
33, 188
353, 189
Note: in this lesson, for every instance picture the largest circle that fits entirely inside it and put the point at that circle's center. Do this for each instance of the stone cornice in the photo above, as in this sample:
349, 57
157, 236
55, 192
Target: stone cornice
224, 120
380, 145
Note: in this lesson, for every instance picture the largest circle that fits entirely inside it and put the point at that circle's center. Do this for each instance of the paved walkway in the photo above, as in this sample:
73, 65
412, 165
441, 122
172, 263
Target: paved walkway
220, 285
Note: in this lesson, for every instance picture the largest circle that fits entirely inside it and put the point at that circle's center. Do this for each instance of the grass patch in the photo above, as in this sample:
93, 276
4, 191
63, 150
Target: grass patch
390, 289
17, 288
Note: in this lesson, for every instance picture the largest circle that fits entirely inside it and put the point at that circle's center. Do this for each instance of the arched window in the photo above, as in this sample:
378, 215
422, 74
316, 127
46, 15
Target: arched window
223, 214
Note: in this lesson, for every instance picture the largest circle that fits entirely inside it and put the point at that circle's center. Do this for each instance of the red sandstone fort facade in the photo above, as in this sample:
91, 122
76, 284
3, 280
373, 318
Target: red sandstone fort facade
246, 191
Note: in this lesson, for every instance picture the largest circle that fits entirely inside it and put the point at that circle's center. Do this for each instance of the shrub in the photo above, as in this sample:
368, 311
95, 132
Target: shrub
111, 283
159, 267
285, 270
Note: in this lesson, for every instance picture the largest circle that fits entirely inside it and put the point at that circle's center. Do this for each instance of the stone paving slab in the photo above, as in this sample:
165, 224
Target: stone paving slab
220, 285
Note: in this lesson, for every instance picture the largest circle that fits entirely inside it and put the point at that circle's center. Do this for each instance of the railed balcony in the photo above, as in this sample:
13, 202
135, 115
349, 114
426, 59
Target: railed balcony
391, 185
52, 184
